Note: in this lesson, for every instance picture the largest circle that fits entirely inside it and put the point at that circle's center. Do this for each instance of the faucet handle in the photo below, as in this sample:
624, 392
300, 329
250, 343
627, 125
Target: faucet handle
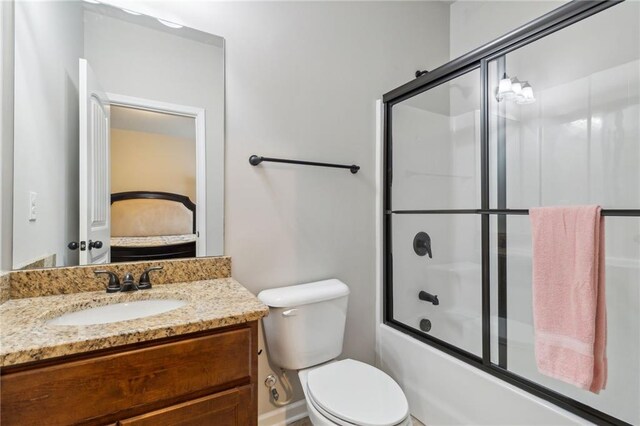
145, 281
114, 281
422, 244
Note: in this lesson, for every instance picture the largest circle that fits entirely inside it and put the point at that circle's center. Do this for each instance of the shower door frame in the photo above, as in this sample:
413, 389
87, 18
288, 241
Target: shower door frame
549, 23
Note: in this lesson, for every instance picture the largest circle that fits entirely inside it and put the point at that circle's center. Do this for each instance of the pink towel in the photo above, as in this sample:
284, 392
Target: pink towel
569, 312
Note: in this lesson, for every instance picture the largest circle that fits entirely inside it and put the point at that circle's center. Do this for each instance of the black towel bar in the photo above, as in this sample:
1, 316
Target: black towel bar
254, 160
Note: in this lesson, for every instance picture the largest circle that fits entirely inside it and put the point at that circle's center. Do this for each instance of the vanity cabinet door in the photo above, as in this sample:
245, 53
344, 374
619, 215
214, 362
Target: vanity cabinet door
134, 381
228, 408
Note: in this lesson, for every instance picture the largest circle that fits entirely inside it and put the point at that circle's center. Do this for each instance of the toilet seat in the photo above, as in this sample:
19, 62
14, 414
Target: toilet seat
350, 392
329, 416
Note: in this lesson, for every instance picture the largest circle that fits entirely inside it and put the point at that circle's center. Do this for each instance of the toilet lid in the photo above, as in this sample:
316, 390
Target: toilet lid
357, 393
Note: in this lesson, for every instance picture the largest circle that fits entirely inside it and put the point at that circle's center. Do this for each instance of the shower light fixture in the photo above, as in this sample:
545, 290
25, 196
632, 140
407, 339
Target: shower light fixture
505, 89
516, 86
169, 23
512, 89
526, 94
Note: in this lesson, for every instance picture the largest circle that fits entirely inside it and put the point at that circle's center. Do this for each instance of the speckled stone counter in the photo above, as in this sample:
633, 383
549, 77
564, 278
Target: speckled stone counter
75, 279
4, 286
25, 335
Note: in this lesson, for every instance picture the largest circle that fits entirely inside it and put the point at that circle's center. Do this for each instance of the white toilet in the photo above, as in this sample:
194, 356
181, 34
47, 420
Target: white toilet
304, 332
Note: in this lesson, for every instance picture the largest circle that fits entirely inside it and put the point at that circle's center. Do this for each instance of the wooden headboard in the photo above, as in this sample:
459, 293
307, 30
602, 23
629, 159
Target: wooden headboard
157, 195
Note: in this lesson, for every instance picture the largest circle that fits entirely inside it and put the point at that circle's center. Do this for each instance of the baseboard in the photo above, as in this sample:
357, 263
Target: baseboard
284, 415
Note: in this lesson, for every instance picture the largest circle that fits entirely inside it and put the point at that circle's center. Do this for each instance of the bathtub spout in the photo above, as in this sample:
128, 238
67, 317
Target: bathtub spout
423, 295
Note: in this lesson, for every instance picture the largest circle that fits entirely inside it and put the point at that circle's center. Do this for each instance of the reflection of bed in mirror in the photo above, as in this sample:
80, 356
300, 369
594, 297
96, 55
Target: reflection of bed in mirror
152, 225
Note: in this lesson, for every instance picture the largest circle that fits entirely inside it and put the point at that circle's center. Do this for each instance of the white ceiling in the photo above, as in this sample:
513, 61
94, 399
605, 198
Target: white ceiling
152, 122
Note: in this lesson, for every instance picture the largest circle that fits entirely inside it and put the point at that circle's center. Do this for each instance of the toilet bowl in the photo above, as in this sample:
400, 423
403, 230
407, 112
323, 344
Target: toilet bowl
350, 392
304, 332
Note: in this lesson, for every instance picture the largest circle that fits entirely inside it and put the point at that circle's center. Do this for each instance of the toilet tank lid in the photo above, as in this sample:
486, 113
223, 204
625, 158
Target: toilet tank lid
303, 294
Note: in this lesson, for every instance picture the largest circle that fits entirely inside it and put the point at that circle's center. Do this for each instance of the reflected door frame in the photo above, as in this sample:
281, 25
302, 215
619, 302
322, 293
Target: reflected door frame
198, 114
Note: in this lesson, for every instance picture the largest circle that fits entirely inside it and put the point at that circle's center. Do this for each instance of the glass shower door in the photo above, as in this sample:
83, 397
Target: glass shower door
575, 142
436, 238
548, 118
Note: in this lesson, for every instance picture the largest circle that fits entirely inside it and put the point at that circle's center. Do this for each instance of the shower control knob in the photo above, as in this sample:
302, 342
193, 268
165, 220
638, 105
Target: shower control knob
422, 244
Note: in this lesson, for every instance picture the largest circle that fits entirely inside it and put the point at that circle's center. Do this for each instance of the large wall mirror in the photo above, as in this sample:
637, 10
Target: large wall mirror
119, 137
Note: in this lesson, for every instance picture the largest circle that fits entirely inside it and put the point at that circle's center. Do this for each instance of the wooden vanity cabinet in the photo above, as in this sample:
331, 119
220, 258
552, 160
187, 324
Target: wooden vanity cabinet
207, 378
223, 408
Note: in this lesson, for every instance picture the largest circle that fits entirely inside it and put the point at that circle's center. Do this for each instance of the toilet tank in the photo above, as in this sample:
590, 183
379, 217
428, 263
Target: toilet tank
305, 325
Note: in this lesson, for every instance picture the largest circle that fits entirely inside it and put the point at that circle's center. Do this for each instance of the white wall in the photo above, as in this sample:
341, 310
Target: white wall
142, 161
139, 61
302, 79
6, 135
474, 23
46, 129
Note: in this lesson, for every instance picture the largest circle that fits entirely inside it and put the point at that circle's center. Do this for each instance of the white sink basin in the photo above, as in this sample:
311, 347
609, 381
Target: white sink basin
118, 312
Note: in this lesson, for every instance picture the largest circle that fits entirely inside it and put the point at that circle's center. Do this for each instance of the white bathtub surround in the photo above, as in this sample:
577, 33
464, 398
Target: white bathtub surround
445, 391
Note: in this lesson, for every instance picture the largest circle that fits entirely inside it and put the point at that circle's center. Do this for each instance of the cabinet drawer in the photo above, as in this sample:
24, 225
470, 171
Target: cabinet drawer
229, 408
93, 388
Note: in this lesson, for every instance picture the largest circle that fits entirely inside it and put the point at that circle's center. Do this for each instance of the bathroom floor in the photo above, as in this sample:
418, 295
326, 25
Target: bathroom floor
307, 422
301, 422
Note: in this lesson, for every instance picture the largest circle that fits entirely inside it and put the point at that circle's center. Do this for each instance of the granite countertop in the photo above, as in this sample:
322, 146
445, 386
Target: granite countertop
25, 335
